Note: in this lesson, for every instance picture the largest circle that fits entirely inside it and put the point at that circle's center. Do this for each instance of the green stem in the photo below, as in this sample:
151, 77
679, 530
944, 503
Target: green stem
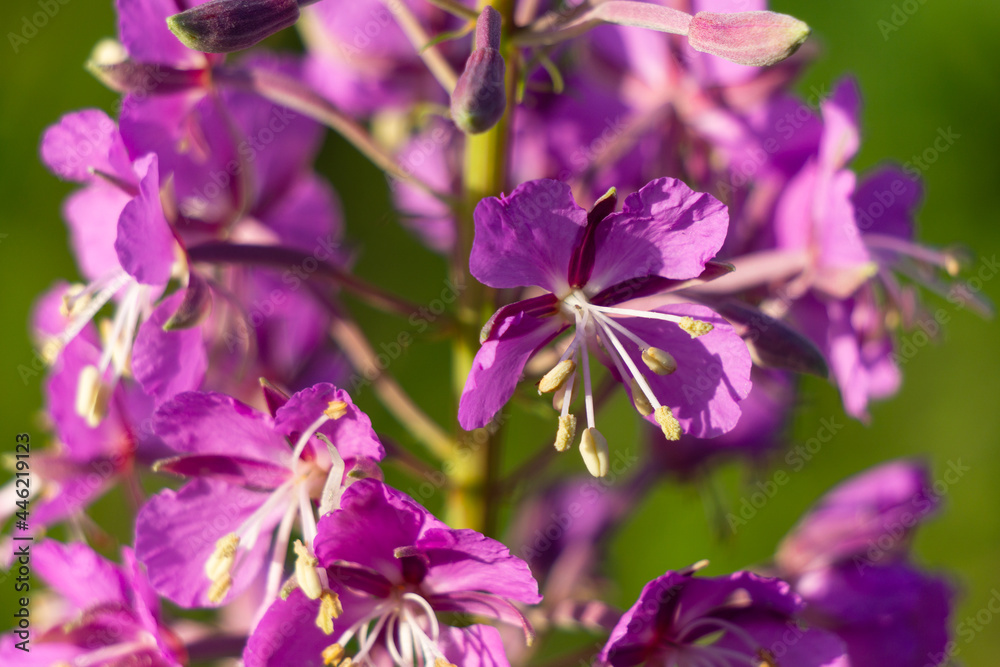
484, 175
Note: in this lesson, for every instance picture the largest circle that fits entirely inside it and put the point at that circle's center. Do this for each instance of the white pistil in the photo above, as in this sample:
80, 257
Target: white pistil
588, 393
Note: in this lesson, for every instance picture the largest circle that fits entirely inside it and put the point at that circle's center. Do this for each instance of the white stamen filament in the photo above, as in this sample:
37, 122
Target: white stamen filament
633, 370
276, 568
250, 529
106, 287
588, 393
631, 312
300, 445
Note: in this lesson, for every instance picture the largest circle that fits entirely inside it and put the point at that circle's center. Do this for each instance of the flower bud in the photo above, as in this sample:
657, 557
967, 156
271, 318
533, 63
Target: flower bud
480, 97
222, 26
747, 38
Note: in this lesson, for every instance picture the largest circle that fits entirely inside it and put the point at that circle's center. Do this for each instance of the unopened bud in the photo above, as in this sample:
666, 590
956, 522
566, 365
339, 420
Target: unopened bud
92, 396
480, 97
566, 432
659, 361
747, 38
556, 377
639, 400
594, 449
223, 26
668, 423
694, 327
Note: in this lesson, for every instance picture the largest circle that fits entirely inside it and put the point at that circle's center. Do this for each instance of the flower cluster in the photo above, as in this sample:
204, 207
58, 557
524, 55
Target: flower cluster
635, 193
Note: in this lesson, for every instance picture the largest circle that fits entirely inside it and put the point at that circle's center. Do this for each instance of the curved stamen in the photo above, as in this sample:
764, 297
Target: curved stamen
300, 445
588, 393
633, 369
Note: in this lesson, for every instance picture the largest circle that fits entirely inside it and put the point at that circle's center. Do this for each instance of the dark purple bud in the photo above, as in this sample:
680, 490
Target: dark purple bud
480, 97
747, 38
223, 26
581, 263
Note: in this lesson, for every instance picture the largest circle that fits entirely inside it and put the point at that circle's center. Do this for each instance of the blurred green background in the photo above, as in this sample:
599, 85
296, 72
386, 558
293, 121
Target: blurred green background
923, 66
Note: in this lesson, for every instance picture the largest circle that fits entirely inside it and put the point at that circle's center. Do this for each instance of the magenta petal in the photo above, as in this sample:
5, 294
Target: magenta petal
713, 370
142, 25
885, 202
458, 559
516, 332
167, 363
255, 475
82, 141
527, 238
210, 423
473, 646
664, 229
92, 217
79, 574
176, 532
483, 605
351, 434
840, 125
348, 534
286, 636
145, 244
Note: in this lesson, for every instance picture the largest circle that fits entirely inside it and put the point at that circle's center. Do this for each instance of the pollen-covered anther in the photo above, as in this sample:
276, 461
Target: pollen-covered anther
72, 302
336, 409
639, 400
694, 327
441, 662
305, 571
668, 423
219, 566
594, 449
333, 654
329, 609
566, 432
556, 378
659, 361
92, 396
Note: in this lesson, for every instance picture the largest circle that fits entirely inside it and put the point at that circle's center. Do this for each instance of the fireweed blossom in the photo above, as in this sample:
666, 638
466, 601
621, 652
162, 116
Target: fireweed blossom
253, 474
393, 567
590, 264
110, 614
739, 619
848, 558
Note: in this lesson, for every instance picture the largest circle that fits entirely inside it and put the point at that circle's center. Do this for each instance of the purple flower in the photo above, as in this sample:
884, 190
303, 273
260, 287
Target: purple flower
211, 538
848, 560
389, 568
695, 368
112, 616
737, 619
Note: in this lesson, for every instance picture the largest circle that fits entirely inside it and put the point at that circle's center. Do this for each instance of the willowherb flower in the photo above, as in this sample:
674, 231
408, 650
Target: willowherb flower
848, 559
684, 367
739, 619
252, 475
392, 568
111, 615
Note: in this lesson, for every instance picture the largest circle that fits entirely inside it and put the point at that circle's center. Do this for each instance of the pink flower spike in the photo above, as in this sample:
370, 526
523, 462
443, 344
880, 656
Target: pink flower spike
747, 38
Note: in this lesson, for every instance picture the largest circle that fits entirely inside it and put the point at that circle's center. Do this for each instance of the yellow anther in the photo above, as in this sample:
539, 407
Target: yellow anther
92, 396
668, 423
659, 361
594, 449
329, 609
305, 571
219, 588
71, 305
333, 654
441, 662
556, 377
336, 409
694, 327
639, 400
566, 432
